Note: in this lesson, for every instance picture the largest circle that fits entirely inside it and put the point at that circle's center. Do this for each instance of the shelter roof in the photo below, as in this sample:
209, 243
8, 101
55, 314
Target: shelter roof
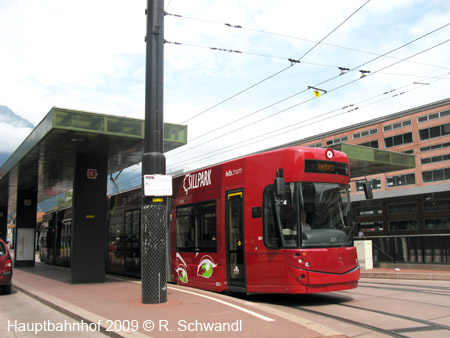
365, 161
48, 153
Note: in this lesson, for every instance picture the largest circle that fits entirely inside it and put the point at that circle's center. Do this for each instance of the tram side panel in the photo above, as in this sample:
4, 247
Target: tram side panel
196, 242
266, 268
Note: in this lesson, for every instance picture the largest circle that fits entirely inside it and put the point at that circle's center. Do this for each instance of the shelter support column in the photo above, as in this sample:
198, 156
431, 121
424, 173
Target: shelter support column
3, 222
88, 241
24, 248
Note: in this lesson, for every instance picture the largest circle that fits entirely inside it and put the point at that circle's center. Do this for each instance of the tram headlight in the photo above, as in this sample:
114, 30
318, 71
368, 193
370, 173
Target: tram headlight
300, 260
307, 264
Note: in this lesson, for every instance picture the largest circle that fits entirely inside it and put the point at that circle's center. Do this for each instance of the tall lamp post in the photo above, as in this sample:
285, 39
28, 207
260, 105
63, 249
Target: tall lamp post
154, 204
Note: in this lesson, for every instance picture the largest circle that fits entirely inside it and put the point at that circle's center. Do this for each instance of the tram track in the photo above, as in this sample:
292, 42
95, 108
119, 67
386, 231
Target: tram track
374, 308
427, 325
405, 287
423, 325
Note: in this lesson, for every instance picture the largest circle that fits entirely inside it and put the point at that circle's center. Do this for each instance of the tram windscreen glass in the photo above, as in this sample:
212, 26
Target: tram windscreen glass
326, 167
309, 215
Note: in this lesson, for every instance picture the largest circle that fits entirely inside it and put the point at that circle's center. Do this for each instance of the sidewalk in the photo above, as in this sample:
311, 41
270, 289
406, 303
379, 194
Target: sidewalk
116, 307
406, 273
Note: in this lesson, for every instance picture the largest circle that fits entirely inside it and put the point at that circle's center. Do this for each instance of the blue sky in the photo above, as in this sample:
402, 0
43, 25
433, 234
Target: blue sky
90, 55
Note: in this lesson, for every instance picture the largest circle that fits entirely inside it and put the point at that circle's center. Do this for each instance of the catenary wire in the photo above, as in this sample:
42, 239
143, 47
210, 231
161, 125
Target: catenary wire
277, 73
323, 117
235, 26
319, 84
329, 91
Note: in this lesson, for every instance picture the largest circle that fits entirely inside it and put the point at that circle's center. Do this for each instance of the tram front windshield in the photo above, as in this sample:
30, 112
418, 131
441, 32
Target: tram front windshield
308, 215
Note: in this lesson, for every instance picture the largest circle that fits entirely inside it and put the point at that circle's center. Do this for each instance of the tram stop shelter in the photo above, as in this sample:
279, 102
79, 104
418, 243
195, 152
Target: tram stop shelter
72, 149
77, 150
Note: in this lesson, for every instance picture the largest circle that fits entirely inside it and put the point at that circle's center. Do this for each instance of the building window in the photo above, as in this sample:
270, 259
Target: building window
438, 205
403, 208
435, 159
437, 223
399, 180
375, 183
317, 145
436, 131
397, 125
370, 226
370, 144
436, 175
410, 224
365, 133
433, 116
398, 140
435, 146
337, 140
375, 210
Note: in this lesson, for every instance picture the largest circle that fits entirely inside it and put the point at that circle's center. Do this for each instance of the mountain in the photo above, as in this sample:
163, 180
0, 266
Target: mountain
11, 121
7, 116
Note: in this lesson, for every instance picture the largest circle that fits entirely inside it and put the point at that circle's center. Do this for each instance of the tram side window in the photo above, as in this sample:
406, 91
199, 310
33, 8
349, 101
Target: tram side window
196, 227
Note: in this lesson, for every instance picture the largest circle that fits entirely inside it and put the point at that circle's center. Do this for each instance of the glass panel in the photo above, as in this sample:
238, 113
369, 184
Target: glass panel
422, 119
427, 176
445, 113
367, 227
424, 134
437, 223
435, 131
407, 138
410, 179
433, 116
185, 229
406, 123
403, 208
315, 213
403, 225
438, 175
446, 129
129, 127
398, 140
436, 205
447, 173
87, 121
370, 211
388, 142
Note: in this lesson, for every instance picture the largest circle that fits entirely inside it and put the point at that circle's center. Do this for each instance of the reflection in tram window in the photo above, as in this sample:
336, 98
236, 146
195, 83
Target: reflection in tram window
437, 223
196, 227
410, 224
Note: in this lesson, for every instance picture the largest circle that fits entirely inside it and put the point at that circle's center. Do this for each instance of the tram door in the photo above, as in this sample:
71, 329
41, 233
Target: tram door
235, 239
132, 241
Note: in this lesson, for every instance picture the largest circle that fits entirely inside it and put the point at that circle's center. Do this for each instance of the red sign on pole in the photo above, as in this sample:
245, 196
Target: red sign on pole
92, 174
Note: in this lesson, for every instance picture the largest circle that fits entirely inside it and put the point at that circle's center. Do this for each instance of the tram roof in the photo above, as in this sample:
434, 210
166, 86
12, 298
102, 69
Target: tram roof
50, 149
365, 161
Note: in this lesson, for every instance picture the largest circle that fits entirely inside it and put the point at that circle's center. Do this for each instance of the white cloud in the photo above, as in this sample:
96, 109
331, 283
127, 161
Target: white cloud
11, 137
90, 55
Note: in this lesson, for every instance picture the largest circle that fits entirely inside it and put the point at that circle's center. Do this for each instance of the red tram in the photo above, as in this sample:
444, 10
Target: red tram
274, 222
